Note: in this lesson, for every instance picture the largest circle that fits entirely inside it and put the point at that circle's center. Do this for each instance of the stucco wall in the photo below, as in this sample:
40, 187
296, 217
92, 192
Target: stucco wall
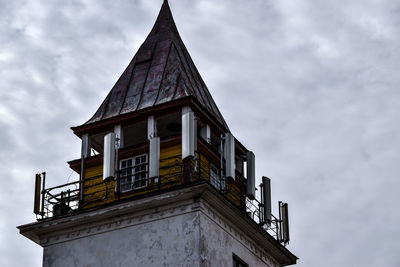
175, 229
196, 237
218, 242
162, 242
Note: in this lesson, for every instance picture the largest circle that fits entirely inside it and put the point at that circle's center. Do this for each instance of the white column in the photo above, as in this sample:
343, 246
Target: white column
151, 127
119, 134
86, 148
208, 134
251, 174
229, 150
266, 182
205, 132
187, 132
195, 134
154, 157
109, 156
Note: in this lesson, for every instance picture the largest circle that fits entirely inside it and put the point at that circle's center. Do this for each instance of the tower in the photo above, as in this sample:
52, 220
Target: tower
163, 181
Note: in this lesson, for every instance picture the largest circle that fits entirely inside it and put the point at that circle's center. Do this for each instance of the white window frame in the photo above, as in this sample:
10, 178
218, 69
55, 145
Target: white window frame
215, 179
133, 172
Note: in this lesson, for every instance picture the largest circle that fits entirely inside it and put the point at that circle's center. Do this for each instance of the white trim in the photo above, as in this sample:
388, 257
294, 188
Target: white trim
188, 133
86, 146
119, 135
229, 150
133, 173
154, 158
151, 127
109, 156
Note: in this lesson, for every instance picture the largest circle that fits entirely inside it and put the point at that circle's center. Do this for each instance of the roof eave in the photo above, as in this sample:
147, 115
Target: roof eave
107, 124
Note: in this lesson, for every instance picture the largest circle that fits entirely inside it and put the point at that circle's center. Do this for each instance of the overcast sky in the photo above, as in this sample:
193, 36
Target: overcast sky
310, 86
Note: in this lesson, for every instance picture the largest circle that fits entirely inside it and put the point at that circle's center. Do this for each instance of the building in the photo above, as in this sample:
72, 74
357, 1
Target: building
163, 182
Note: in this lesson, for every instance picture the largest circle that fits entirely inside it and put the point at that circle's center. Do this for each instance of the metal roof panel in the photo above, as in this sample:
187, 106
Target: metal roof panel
161, 71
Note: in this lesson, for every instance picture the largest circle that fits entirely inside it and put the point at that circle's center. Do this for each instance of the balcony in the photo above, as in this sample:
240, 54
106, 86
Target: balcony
68, 199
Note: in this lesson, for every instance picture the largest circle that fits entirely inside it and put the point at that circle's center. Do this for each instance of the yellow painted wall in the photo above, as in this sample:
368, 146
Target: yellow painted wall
97, 192
204, 167
234, 194
171, 166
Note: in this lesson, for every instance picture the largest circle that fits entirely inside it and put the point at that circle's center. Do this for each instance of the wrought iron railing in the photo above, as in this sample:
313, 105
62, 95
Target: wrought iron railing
59, 200
65, 199
174, 172
255, 210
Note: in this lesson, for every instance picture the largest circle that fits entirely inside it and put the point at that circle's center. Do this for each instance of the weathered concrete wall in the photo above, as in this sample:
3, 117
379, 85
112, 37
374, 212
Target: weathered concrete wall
178, 228
171, 241
219, 240
199, 237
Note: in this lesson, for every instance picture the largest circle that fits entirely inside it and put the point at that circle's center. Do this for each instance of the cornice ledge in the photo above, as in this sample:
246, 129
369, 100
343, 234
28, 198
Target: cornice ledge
217, 204
114, 215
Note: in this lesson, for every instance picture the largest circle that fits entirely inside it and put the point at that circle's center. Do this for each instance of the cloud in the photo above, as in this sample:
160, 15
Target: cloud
309, 86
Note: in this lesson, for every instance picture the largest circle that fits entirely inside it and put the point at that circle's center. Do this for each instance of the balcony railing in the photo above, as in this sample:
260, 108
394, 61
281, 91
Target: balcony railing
66, 199
59, 200
255, 211
174, 173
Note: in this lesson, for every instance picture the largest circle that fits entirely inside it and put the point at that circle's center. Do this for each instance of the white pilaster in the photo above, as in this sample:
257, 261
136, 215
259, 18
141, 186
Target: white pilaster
119, 134
109, 156
86, 148
154, 157
250, 175
151, 127
188, 134
229, 150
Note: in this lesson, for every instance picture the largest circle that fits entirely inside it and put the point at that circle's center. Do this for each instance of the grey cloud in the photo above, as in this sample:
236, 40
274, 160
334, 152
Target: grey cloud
310, 86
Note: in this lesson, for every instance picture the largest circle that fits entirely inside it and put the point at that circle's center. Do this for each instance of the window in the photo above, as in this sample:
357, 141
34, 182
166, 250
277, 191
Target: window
237, 262
215, 178
133, 173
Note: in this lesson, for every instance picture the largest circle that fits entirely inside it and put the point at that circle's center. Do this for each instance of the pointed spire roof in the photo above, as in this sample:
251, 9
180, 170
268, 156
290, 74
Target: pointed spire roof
162, 71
